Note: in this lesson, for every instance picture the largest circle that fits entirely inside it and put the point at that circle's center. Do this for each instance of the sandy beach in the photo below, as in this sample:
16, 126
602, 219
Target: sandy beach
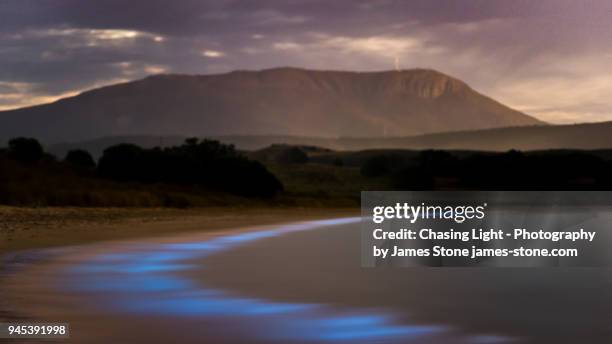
28, 228
35, 241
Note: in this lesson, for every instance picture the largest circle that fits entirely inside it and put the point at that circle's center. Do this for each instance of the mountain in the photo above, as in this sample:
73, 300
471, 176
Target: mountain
589, 136
281, 101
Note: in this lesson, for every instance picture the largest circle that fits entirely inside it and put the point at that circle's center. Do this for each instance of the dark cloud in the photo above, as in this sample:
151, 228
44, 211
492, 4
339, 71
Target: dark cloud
53, 48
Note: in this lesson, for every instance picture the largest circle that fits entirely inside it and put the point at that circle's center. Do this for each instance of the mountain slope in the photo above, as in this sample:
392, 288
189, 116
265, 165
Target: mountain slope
285, 101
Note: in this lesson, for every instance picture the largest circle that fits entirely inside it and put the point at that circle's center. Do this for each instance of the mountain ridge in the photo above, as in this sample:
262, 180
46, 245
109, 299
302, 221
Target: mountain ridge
281, 101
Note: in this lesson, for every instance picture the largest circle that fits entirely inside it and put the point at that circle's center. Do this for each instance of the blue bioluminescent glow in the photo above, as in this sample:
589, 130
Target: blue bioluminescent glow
142, 279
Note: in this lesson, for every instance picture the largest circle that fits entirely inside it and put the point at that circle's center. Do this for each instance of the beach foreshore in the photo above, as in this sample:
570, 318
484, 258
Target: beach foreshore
32, 239
31, 228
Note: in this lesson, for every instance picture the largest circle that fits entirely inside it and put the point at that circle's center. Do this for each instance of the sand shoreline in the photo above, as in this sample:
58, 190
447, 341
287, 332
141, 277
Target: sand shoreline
34, 228
36, 249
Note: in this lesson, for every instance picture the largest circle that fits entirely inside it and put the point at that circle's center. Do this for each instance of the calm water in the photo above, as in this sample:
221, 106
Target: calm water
303, 283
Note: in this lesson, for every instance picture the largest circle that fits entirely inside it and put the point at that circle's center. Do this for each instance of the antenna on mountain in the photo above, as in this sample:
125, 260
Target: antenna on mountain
397, 63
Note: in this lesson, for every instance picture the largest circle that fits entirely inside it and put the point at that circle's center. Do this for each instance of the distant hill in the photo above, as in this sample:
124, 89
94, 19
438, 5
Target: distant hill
281, 101
578, 136
586, 136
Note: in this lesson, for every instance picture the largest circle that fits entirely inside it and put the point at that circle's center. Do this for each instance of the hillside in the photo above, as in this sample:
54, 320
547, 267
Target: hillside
282, 101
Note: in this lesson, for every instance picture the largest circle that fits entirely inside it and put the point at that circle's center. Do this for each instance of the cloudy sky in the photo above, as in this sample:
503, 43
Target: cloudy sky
549, 58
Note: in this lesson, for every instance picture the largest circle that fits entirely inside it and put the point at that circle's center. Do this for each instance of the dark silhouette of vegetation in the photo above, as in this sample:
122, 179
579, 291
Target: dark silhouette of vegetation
518, 171
25, 149
513, 170
205, 163
196, 173
204, 172
437, 163
80, 158
412, 178
377, 166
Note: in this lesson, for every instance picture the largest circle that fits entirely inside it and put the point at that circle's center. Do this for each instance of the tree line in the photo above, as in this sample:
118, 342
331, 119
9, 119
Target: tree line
207, 164
512, 170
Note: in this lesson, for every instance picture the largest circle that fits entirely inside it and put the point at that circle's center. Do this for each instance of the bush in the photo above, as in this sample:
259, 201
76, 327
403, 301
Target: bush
123, 162
80, 158
377, 166
25, 149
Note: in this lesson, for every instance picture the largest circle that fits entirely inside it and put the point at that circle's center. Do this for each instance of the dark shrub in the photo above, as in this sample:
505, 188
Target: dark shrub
123, 162
80, 158
25, 149
412, 179
377, 166
437, 163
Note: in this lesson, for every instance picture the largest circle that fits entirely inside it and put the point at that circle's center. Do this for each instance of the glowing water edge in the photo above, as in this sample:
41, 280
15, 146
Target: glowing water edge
143, 280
